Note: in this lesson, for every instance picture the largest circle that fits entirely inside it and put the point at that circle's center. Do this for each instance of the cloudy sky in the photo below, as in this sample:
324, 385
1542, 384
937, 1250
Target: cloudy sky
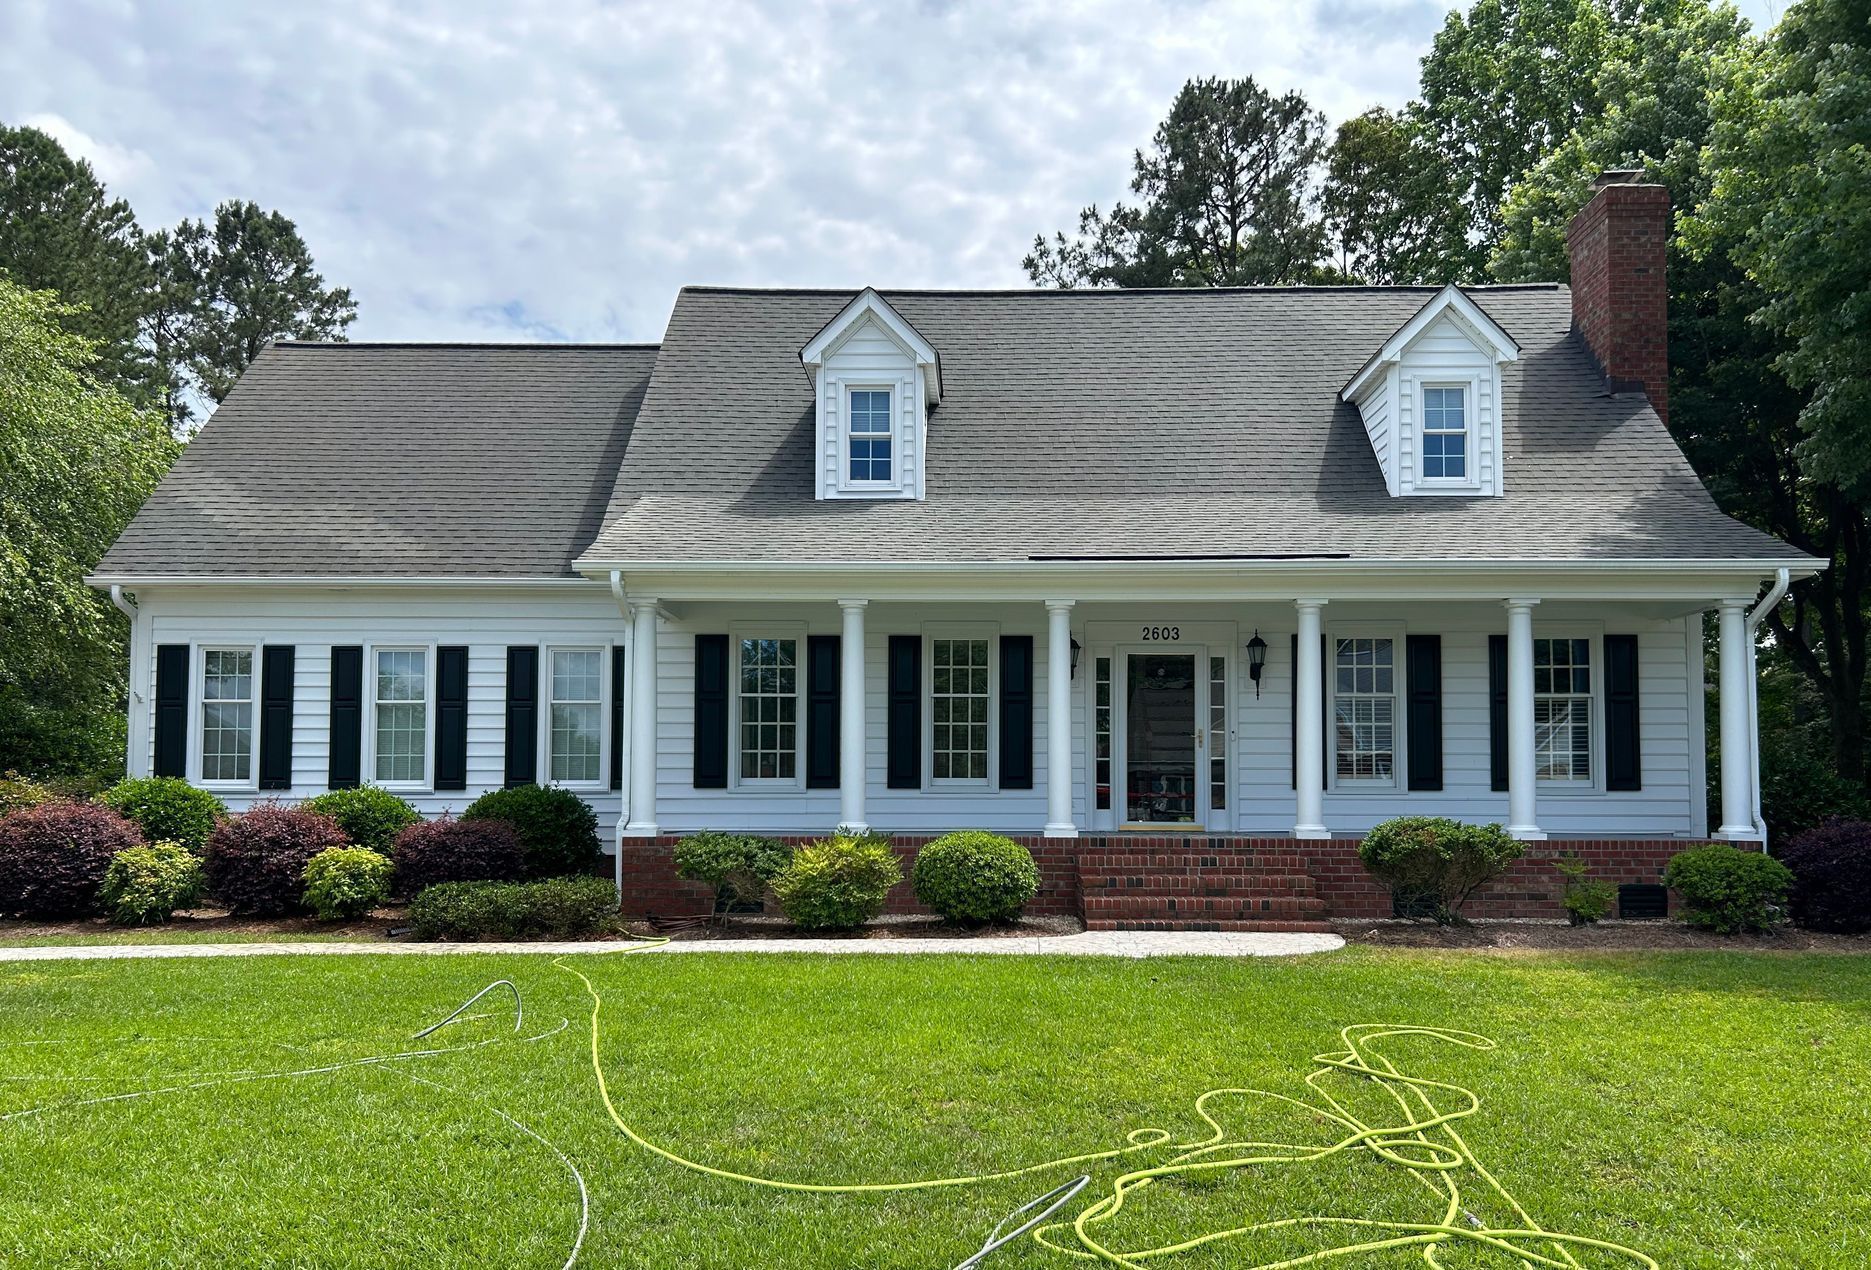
557, 170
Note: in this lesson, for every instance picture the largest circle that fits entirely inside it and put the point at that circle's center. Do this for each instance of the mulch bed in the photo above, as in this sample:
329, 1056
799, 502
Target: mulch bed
214, 921
1610, 936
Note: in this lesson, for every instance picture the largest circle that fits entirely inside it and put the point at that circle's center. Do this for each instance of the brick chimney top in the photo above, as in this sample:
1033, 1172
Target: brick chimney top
1620, 297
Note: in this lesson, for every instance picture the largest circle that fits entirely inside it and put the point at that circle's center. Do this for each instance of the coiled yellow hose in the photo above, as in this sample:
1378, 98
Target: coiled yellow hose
1424, 1142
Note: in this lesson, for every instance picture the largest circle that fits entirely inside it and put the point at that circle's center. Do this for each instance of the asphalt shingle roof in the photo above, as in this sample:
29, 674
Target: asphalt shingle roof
1072, 424
417, 460
1118, 424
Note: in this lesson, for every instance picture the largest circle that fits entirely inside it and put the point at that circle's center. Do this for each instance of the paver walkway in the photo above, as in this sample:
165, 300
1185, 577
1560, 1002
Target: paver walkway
1095, 943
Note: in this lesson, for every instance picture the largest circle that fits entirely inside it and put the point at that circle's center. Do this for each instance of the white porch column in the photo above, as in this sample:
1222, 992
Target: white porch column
1522, 821
1309, 726
642, 823
1059, 720
851, 715
1737, 739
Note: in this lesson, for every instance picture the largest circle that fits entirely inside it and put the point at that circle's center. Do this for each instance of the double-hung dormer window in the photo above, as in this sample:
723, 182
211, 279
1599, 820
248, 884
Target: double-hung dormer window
1445, 432
867, 441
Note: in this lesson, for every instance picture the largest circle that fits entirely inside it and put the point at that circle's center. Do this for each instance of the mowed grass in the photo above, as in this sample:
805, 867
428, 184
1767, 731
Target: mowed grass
1710, 1109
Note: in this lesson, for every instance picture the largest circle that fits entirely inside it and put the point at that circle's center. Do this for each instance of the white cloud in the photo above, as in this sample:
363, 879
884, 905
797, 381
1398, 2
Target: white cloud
494, 170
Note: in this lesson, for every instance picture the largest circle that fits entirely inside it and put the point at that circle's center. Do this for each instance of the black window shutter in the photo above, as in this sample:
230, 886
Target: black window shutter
172, 710
904, 746
822, 687
347, 717
617, 717
1423, 666
1623, 761
276, 667
711, 712
1497, 711
451, 717
522, 715
1325, 710
1016, 712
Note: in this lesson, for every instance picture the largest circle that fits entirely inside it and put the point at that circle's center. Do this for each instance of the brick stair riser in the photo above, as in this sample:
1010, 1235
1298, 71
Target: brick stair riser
1248, 927
1099, 862
1143, 907
1159, 885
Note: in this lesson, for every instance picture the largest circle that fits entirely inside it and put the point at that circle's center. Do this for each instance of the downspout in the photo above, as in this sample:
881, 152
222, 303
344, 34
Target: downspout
127, 606
1776, 593
623, 806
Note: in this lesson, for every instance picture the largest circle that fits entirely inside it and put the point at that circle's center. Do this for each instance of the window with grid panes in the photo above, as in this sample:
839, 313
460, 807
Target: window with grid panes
769, 709
1364, 705
958, 709
1562, 709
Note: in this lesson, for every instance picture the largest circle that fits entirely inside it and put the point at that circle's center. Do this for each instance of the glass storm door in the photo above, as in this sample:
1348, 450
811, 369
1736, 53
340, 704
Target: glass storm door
1160, 735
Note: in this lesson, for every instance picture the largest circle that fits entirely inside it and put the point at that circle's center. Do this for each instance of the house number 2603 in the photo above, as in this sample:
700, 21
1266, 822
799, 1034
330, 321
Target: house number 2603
1162, 632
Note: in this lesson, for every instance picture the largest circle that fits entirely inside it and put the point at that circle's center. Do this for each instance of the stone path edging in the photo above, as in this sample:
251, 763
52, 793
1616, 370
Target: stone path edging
1100, 943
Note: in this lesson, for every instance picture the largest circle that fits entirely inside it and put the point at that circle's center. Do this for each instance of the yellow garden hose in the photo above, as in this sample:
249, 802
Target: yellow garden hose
1424, 1143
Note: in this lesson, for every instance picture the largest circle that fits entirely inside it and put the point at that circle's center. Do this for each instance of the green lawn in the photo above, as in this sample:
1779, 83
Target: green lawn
1708, 1109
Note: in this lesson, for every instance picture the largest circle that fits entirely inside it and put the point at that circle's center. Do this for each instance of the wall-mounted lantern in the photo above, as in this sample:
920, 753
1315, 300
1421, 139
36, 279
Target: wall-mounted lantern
1076, 650
1256, 660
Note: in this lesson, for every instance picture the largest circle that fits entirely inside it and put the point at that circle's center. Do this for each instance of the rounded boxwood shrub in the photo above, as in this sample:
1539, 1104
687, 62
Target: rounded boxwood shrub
53, 857
1831, 876
556, 908
557, 829
975, 876
148, 884
445, 850
255, 862
17, 792
1434, 864
167, 809
370, 817
346, 881
1726, 889
839, 882
739, 866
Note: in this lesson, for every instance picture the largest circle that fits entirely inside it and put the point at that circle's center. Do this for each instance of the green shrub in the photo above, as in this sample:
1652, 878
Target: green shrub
738, 866
840, 882
1435, 862
346, 881
1587, 900
148, 884
370, 817
1726, 890
256, 861
558, 908
18, 792
557, 830
167, 809
53, 857
975, 876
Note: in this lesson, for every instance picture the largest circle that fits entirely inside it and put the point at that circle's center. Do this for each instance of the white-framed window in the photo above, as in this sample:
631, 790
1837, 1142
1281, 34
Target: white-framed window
766, 707
1364, 710
575, 696
1564, 710
961, 707
402, 688
870, 452
1101, 730
1445, 441
227, 696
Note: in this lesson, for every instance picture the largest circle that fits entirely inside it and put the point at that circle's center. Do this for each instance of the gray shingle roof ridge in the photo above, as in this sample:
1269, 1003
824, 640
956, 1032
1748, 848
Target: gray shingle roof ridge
1431, 288
555, 345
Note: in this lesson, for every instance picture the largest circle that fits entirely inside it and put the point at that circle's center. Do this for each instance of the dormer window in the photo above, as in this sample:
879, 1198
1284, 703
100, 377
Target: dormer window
1445, 433
868, 440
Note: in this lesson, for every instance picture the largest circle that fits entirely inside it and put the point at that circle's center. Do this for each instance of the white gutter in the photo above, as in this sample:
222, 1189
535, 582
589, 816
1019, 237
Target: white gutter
1337, 564
322, 580
122, 601
1783, 578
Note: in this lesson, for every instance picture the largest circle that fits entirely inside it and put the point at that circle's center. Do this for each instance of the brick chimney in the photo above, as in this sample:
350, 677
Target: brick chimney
1620, 298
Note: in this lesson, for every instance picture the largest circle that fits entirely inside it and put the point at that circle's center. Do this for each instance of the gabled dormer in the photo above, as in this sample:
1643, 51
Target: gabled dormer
1431, 400
877, 379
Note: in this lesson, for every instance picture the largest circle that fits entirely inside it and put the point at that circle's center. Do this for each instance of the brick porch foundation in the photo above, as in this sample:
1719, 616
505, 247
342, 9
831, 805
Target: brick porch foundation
1196, 882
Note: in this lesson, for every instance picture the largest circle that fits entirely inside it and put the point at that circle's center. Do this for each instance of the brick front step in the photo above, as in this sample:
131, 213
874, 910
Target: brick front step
1206, 862
1202, 924
1241, 885
1241, 908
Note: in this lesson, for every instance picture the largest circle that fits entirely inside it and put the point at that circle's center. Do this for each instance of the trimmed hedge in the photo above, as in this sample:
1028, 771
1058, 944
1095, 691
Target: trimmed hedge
837, 883
430, 852
167, 809
556, 908
1436, 863
738, 866
148, 884
975, 876
54, 857
1728, 890
255, 863
557, 829
345, 882
370, 817
1831, 876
